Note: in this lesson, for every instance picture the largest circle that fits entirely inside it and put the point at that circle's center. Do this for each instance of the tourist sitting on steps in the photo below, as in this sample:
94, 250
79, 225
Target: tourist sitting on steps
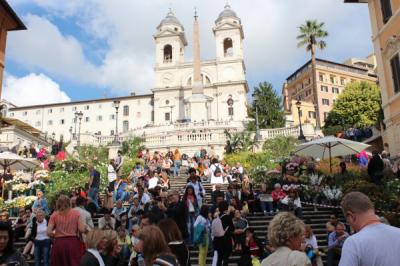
335, 243
292, 203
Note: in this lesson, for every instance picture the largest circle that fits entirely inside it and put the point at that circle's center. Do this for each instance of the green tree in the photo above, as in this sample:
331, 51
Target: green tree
311, 36
269, 108
240, 141
359, 105
132, 147
280, 146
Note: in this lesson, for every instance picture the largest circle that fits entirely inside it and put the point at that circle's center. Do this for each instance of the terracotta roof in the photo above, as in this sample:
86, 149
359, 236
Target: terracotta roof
11, 12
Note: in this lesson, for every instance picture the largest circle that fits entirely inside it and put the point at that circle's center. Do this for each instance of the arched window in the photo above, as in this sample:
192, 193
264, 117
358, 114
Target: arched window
228, 47
167, 53
126, 110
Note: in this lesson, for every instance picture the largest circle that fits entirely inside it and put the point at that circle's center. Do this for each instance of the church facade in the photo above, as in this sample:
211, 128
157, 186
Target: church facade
184, 93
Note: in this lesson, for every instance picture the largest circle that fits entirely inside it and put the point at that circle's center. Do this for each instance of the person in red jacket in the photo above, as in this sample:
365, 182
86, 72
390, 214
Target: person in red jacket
277, 195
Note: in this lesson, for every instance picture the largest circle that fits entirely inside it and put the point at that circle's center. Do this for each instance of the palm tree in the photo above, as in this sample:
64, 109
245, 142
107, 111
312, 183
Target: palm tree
311, 36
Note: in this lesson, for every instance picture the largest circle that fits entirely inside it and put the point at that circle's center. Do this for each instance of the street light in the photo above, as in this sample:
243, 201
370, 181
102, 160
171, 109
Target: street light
54, 136
116, 106
70, 132
255, 98
301, 136
80, 116
76, 122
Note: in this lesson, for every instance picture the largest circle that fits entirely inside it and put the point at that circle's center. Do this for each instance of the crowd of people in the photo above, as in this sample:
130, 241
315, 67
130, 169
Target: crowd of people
141, 220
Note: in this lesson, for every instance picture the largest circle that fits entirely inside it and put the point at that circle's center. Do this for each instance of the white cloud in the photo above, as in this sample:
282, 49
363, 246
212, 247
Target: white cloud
126, 29
33, 89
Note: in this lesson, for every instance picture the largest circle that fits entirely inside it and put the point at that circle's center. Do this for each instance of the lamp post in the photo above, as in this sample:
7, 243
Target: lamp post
80, 116
76, 122
170, 116
54, 137
258, 135
116, 106
301, 136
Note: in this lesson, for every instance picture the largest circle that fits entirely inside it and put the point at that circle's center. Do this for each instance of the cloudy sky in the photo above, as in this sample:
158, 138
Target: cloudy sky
85, 49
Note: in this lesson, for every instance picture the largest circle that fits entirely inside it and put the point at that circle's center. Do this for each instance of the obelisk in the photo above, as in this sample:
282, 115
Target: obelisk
198, 102
197, 82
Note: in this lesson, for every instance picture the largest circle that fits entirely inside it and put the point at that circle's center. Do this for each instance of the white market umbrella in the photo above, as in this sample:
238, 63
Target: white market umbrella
16, 162
329, 147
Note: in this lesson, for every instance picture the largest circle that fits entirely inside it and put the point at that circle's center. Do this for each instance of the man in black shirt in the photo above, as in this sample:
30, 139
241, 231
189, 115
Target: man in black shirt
94, 185
176, 210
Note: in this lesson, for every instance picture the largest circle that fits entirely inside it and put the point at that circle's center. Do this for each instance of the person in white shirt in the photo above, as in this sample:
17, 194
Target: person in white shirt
153, 182
216, 172
112, 175
374, 243
293, 203
107, 222
41, 240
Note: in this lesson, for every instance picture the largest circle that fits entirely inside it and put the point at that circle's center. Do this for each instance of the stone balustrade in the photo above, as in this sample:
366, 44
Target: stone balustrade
190, 137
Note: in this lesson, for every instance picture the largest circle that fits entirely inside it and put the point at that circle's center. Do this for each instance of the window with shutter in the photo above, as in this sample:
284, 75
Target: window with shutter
395, 66
386, 10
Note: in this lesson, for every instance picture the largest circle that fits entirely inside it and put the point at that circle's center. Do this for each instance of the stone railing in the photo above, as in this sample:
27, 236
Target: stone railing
189, 126
274, 132
209, 134
185, 139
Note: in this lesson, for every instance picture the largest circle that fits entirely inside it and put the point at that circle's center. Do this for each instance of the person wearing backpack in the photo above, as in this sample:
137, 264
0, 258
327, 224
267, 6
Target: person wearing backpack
216, 172
201, 234
222, 229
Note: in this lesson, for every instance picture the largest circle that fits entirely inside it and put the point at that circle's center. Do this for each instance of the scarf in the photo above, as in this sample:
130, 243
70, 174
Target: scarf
96, 253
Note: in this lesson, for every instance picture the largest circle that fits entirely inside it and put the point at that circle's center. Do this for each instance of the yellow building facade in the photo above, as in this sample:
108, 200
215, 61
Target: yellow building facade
331, 80
385, 22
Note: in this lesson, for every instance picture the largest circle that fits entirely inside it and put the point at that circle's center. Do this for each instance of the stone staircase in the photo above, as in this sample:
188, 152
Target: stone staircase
315, 217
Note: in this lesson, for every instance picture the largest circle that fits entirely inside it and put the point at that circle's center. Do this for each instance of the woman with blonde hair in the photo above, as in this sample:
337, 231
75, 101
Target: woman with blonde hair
154, 247
64, 226
95, 241
111, 251
286, 234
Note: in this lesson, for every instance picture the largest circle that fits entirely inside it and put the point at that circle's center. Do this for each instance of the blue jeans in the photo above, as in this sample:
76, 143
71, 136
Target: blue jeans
42, 249
266, 206
190, 227
93, 195
120, 195
177, 166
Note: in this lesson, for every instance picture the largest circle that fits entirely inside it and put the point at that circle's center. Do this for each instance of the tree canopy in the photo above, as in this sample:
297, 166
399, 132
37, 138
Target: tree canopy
359, 105
269, 107
311, 35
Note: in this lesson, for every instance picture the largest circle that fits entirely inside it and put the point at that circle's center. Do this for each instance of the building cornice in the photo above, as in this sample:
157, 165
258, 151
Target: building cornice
81, 102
